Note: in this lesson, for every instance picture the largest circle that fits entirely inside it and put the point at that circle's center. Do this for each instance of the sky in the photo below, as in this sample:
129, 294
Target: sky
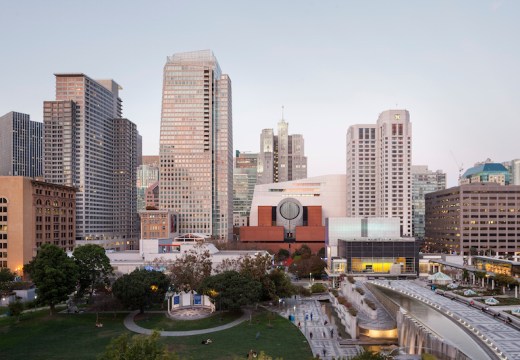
455, 65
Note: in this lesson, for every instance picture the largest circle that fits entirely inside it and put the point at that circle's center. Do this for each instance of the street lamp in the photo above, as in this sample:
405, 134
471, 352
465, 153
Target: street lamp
310, 277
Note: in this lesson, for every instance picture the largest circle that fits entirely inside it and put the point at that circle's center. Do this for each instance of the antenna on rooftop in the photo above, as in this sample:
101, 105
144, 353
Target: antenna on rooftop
282, 111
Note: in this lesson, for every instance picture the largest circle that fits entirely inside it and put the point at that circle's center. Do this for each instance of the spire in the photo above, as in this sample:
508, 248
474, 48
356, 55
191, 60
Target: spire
282, 112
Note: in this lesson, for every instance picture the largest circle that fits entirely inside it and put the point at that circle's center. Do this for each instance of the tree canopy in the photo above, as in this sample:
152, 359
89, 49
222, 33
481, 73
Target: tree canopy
141, 288
232, 289
282, 283
137, 347
189, 270
54, 274
93, 267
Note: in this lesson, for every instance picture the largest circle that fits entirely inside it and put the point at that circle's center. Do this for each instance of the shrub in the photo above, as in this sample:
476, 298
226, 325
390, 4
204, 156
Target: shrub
303, 291
428, 357
335, 292
360, 290
318, 288
351, 279
352, 311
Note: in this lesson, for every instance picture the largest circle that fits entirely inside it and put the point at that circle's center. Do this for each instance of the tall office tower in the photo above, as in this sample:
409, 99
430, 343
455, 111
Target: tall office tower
424, 181
151, 160
378, 169
147, 174
81, 150
196, 144
20, 145
282, 157
244, 181
127, 155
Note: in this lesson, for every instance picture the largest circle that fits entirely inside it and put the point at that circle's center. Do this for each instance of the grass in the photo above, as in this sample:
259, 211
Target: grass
281, 339
61, 336
161, 322
74, 336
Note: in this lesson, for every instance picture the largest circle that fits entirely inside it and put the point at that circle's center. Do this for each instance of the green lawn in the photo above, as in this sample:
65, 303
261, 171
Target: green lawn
161, 322
61, 336
283, 339
74, 336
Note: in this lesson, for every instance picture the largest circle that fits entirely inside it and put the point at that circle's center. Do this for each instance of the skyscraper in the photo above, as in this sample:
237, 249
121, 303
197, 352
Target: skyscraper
196, 144
378, 169
83, 143
244, 181
282, 157
424, 181
20, 145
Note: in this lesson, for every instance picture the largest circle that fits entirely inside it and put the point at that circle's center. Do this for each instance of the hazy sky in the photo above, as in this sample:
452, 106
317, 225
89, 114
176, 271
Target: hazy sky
455, 65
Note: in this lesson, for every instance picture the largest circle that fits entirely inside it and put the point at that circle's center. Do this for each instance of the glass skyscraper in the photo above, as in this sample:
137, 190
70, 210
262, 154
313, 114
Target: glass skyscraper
196, 144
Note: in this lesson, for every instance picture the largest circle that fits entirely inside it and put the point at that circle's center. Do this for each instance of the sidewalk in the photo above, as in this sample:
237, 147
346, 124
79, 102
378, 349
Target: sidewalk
132, 326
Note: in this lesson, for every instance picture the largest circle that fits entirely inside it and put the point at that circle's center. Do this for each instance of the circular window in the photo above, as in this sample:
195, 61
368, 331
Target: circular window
289, 210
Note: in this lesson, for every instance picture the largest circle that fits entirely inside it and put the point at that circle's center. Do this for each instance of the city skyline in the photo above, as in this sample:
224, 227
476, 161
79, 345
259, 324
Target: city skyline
452, 65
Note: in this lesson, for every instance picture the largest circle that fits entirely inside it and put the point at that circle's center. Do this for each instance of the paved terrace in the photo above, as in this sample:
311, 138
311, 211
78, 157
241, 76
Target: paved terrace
321, 342
502, 338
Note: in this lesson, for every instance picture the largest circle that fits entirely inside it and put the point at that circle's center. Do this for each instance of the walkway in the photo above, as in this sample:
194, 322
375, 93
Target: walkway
132, 326
500, 338
323, 342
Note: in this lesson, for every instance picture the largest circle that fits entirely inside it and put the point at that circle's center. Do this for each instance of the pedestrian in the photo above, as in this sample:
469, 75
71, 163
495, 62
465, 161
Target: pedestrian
324, 352
258, 335
324, 334
299, 325
311, 316
331, 333
310, 334
326, 322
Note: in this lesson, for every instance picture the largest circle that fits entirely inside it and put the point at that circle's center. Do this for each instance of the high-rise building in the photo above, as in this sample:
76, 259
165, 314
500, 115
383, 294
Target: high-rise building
196, 144
20, 145
33, 213
472, 219
85, 138
378, 169
424, 181
282, 157
244, 181
127, 155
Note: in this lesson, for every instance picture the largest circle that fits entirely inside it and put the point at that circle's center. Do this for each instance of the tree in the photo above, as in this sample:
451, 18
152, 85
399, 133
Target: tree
141, 288
255, 267
304, 252
321, 253
234, 289
16, 308
189, 270
54, 274
93, 268
282, 255
137, 347
283, 286
302, 267
6, 280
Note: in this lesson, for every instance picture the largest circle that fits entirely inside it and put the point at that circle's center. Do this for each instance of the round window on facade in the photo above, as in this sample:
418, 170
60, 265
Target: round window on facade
289, 210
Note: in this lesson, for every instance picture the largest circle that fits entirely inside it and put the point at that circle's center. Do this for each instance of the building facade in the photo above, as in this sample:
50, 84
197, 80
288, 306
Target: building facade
244, 181
292, 213
127, 155
33, 213
82, 148
424, 181
147, 175
379, 169
282, 156
196, 145
486, 172
514, 171
20, 145
474, 218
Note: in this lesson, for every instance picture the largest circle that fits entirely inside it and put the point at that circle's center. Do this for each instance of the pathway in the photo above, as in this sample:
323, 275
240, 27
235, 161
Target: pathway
324, 340
132, 326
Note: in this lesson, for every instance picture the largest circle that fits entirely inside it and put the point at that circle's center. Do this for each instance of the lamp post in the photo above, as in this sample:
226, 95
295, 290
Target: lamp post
310, 277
